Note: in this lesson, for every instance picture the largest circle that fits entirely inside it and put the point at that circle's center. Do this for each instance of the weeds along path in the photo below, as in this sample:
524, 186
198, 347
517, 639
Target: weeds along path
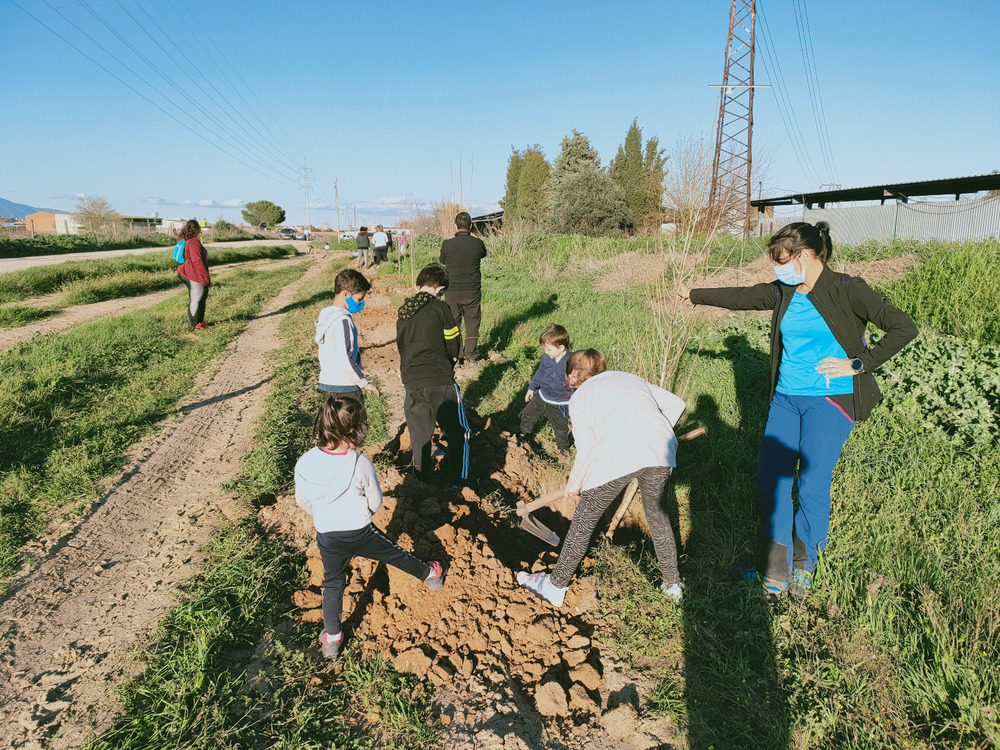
68, 317
99, 588
511, 672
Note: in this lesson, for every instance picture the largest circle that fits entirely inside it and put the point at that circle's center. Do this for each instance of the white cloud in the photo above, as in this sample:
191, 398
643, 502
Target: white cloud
185, 203
234, 203
206, 202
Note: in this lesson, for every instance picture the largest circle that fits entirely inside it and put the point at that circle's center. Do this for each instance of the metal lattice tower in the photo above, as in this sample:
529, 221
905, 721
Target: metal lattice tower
305, 174
730, 196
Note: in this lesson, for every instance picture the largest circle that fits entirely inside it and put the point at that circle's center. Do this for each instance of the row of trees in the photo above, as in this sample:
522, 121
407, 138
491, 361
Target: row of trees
575, 194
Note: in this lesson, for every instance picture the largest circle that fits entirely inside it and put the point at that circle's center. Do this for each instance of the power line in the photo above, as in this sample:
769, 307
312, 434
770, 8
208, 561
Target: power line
812, 83
785, 108
131, 87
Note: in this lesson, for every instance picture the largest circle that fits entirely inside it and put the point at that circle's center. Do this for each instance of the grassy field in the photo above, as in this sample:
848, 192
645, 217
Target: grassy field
71, 405
193, 690
96, 280
55, 244
897, 647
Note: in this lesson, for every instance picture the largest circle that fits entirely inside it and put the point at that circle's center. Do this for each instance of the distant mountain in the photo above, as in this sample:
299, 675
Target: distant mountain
19, 210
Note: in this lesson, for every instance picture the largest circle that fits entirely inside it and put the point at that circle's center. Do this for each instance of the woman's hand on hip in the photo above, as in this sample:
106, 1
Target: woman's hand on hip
833, 367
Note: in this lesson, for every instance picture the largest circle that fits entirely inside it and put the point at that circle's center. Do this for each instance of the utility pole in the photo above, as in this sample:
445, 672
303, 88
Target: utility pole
729, 200
304, 174
336, 198
355, 216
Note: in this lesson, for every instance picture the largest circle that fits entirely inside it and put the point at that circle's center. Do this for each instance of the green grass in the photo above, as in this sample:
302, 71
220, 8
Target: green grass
44, 280
235, 626
71, 405
50, 244
15, 316
897, 647
219, 676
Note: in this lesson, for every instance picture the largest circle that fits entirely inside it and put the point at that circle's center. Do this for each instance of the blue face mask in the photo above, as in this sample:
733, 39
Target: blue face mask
353, 306
787, 275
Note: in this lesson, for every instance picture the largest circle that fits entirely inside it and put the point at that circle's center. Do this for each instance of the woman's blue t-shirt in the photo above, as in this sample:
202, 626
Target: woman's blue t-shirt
805, 341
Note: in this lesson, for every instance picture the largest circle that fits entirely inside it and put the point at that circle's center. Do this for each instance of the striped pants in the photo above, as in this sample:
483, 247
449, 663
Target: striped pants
593, 503
438, 404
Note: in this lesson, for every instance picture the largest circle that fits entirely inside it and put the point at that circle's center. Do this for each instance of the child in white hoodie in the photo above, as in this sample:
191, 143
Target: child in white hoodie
338, 487
339, 354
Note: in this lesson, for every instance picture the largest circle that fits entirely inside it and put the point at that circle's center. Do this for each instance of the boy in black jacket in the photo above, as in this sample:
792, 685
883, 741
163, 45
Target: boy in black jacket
428, 341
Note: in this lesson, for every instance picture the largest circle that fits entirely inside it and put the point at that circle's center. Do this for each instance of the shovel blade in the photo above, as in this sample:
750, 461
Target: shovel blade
539, 529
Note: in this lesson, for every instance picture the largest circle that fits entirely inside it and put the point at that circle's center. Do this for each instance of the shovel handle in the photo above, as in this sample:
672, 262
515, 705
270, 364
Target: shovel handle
692, 434
524, 509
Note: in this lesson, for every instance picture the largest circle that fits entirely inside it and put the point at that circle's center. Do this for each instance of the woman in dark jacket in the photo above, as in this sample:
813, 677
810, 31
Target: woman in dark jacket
194, 273
821, 385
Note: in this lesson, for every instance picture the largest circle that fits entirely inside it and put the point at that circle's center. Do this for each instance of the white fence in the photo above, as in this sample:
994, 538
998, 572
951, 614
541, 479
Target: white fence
976, 219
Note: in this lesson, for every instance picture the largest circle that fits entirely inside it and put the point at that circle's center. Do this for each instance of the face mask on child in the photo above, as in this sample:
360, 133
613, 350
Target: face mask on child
353, 306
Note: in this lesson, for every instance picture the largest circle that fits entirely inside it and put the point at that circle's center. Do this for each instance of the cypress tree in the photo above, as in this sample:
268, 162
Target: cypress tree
510, 202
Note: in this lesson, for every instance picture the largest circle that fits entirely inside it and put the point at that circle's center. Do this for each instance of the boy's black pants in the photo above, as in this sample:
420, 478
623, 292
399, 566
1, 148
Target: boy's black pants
336, 548
557, 415
438, 404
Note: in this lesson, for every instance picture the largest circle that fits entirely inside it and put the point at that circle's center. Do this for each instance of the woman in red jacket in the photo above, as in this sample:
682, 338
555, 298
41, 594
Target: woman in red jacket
194, 273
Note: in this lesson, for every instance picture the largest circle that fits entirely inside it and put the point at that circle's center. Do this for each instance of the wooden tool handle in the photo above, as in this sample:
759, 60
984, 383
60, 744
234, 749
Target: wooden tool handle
696, 432
526, 508
630, 491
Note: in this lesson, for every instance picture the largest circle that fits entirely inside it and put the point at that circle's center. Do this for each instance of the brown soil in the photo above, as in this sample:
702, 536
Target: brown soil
93, 590
631, 269
512, 671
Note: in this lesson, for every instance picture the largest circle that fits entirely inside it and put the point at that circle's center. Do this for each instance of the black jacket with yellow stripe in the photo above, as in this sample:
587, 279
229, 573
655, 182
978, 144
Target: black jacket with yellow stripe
428, 340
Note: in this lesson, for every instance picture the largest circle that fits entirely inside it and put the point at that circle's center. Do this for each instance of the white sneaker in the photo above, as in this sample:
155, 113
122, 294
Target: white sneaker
540, 585
674, 593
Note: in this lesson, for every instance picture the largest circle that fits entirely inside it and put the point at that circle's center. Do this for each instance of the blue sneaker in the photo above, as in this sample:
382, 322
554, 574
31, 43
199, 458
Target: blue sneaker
801, 585
772, 586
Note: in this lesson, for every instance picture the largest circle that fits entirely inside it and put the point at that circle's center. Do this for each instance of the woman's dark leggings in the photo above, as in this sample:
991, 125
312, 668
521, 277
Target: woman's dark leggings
197, 294
593, 503
336, 548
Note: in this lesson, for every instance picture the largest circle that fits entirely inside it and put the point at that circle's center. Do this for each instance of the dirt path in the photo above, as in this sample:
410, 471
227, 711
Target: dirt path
68, 317
511, 672
18, 264
99, 586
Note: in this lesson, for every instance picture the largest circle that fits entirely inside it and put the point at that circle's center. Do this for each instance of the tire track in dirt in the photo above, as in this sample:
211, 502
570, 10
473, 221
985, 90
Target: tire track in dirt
512, 673
70, 317
69, 625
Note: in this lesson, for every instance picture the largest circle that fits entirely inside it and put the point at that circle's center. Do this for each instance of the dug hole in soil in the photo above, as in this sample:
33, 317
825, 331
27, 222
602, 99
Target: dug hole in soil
510, 671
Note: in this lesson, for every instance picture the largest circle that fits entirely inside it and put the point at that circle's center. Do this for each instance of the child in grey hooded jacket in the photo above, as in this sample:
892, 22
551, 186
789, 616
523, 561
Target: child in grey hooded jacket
339, 488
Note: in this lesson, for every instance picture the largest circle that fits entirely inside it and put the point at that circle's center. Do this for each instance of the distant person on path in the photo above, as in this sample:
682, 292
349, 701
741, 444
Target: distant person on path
391, 243
381, 241
462, 255
402, 245
194, 273
326, 249
337, 336
428, 339
364, 243
624, 430
338, 487
548, 392
821, 385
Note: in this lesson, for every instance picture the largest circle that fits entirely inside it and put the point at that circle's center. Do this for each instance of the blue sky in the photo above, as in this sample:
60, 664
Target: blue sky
406, 102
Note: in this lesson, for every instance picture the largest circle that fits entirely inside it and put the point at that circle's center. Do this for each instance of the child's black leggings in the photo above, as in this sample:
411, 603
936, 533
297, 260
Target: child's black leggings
336, 548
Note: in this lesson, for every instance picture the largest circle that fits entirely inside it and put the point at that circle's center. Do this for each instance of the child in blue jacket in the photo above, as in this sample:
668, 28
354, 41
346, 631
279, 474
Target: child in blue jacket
548, 394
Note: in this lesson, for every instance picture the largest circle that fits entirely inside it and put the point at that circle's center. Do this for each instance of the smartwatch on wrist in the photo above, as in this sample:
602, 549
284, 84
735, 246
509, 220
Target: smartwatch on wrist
858, 366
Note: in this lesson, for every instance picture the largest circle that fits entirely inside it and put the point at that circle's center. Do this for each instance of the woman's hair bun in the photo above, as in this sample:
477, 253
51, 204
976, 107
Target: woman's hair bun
822, 226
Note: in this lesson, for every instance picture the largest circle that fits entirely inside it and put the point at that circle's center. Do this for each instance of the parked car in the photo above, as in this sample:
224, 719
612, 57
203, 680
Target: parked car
287, 233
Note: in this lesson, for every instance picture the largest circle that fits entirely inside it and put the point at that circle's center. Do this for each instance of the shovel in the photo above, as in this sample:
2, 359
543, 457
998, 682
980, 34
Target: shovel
531, 524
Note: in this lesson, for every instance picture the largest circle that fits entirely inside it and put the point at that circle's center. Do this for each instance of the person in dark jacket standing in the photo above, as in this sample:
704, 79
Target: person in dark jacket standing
194, 273
364, 242
821, 386
461, 255
428, 340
